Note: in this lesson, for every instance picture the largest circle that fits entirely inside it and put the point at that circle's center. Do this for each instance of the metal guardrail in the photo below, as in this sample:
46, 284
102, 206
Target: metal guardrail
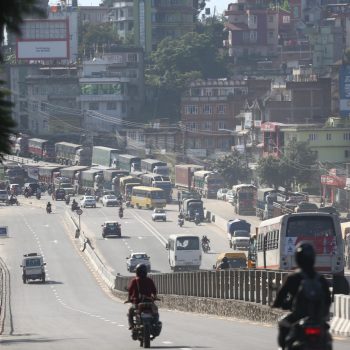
246, 285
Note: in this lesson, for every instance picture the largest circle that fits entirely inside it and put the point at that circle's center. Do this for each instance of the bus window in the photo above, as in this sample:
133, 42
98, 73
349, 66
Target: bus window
187, 243
309, 226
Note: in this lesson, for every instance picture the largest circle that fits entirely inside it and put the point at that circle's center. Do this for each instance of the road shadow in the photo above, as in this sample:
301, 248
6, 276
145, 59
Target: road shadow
180, 347
45, 283
24, 338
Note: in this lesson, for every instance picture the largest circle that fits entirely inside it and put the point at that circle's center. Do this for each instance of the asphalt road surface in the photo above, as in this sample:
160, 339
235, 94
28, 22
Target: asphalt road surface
73, 310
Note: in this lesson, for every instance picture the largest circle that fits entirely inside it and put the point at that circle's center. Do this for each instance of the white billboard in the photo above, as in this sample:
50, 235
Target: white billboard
42, 49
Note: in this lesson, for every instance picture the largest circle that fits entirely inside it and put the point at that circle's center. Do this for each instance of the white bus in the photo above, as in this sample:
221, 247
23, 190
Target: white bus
277, 238
185, 252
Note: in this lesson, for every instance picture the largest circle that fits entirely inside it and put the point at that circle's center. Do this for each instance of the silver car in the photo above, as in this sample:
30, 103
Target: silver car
88, 201
137, 258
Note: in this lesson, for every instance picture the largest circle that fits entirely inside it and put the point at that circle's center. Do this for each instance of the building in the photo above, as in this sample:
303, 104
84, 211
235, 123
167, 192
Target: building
253, 30
93, 14
121, 14
52, 94
112, 85
156, 20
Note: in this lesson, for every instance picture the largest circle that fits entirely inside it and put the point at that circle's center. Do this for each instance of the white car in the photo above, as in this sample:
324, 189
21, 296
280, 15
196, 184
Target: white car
109, 200
88, 201
159, 214
221, 194
137, 258
229, 196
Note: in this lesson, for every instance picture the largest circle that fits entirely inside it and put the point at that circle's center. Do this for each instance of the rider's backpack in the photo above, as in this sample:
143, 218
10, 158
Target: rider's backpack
310, 299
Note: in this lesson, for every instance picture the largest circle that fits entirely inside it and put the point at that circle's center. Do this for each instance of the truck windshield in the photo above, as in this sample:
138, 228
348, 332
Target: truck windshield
33, 262
187, 243
241, 234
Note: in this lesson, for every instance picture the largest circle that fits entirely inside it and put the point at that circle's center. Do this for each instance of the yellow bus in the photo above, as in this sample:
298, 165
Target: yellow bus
147, 197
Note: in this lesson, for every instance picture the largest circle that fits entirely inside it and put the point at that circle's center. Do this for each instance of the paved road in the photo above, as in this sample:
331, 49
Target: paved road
73, 311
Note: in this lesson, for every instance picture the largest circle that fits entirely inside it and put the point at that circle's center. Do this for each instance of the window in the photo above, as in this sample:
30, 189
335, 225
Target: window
207, 125
207, 109
270, 19
111, 105
346, 153
93, 106
271, 32
328, 137
221, 109
132, 57
221, 125
313, 137
253, 35
191, 109
346, 136
286, 19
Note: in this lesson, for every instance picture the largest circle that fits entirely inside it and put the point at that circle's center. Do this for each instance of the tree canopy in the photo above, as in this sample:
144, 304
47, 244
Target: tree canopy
11, 17
233, 168
296, 164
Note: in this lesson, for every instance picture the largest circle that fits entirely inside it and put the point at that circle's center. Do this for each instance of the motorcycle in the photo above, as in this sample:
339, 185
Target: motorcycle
307, 334
146, 323
180, 222
197, 220
74, 206
48, 209
205, 247
67, 200
38, 195
12, 201
121, 214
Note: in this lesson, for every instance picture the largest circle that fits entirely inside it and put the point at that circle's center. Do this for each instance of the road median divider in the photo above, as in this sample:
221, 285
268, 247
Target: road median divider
340, 324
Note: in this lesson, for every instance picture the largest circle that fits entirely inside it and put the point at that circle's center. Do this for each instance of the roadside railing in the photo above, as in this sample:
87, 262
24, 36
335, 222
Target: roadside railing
257, 286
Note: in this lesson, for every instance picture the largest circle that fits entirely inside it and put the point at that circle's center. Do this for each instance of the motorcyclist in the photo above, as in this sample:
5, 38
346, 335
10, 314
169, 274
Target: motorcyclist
48, 206
224, 264
140, 288
287, 297
74, 204
67, 199
205, 240
197, 218
181, 215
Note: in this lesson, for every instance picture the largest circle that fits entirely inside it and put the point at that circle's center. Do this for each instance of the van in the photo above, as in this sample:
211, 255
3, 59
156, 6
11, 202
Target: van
236, 260
33, 267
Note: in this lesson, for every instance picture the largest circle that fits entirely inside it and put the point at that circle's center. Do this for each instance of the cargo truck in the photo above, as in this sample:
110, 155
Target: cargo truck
41, 149
238, 234
72, 154
129, 162
207, 183
125, 180
191, 206
91, 180
264, 204
47, 174
184, 175
105, 156
21, 146
154, 166
244, 199
111, 179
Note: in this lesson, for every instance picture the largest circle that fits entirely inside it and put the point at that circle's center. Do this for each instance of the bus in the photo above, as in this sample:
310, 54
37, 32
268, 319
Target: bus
277, 238
184, 252
147, 197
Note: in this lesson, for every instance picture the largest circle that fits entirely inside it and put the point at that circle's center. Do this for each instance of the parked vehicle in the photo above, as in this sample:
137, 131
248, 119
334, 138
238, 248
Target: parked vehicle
184, 175
184, 252
129, 162
111, 228
41, 149
3, 196
72, 154
207, 183
105, 156
137, 258
221, 194
33, 267
238, 234
88, 201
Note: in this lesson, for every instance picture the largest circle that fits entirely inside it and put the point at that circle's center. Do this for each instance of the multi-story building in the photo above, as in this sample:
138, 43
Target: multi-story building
93, 14
52, 93
158, 19
112, 85
253, 30
121, 14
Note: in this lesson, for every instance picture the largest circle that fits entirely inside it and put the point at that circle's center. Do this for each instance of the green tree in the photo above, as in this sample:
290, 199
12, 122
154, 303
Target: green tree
175, 63
269, 171
233, 168
11, 17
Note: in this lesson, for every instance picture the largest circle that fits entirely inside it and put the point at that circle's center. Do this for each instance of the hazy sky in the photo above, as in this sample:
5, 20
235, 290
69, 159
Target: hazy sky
220, 5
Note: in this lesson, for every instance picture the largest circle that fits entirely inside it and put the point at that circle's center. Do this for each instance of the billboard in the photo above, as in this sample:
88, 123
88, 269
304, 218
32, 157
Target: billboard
42, 49
344, 90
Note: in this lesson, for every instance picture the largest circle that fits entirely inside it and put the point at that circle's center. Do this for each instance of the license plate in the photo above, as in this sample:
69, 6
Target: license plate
146, 315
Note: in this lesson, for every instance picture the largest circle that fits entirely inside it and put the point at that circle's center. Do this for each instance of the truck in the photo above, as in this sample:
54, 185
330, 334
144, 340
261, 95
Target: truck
125, 180
13, 173
72, 154
47, 173
41, 149
91, 180
244, 199
155, 180
105, 156
238, 234
184, 175
190, 206
129, 162
207, 183
73, 174
21, 146
111, 179
64, 183
264, 204
154, 166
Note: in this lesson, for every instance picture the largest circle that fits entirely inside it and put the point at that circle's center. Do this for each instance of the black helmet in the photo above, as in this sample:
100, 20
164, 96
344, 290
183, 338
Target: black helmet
224, 259
305, 255
141, 270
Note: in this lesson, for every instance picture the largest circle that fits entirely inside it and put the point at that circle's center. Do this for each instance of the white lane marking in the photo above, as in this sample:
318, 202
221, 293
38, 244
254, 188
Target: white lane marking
55, 241
151, 229
121, 325
167, 342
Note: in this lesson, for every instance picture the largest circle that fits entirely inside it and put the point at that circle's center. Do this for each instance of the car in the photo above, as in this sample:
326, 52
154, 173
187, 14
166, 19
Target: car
59, 194
3, 196
229, 196
88, 201
111, 228
33, 267
15, 189
137, 258
221, 194
110, 200
306, 207
159, 214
